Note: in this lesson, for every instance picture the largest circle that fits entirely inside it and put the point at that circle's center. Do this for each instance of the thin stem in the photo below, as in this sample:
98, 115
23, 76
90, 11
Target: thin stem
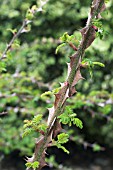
16, 35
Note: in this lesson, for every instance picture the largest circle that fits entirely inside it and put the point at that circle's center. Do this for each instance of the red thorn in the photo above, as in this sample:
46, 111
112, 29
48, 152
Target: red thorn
66, 83
95, 28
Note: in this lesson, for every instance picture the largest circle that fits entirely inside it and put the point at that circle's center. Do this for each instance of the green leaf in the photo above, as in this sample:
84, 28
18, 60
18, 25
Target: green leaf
42, 127
106, 1
15, 45
73, 115
9, 55
91, 64
34, 8
65, 37
54, 91
29, 14
37, 119
63, 138
91, 72
29, 164
27, 124
69, 111
12, 30
64, 118
27, 28
98, 63
96, 147
60, 46
2, 66
35, 165
63, 148
71, 37
27, 132
78, 123
97, 23
46, 94
68, 116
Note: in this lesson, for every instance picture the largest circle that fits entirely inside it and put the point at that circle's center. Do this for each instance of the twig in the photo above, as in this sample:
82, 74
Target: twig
85, 143
93, 113
16, 35
3, 113
73, 46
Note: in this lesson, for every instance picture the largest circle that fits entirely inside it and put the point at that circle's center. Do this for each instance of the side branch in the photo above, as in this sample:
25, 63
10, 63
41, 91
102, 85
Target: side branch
16, 35
31, 12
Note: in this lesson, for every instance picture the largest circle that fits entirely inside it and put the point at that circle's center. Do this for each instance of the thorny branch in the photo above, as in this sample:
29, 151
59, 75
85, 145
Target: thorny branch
67, 88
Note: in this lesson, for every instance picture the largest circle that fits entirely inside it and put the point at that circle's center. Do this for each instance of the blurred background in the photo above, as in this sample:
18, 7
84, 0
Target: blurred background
34, 68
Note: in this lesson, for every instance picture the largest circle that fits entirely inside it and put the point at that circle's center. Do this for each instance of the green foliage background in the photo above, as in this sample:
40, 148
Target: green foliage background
34, 68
